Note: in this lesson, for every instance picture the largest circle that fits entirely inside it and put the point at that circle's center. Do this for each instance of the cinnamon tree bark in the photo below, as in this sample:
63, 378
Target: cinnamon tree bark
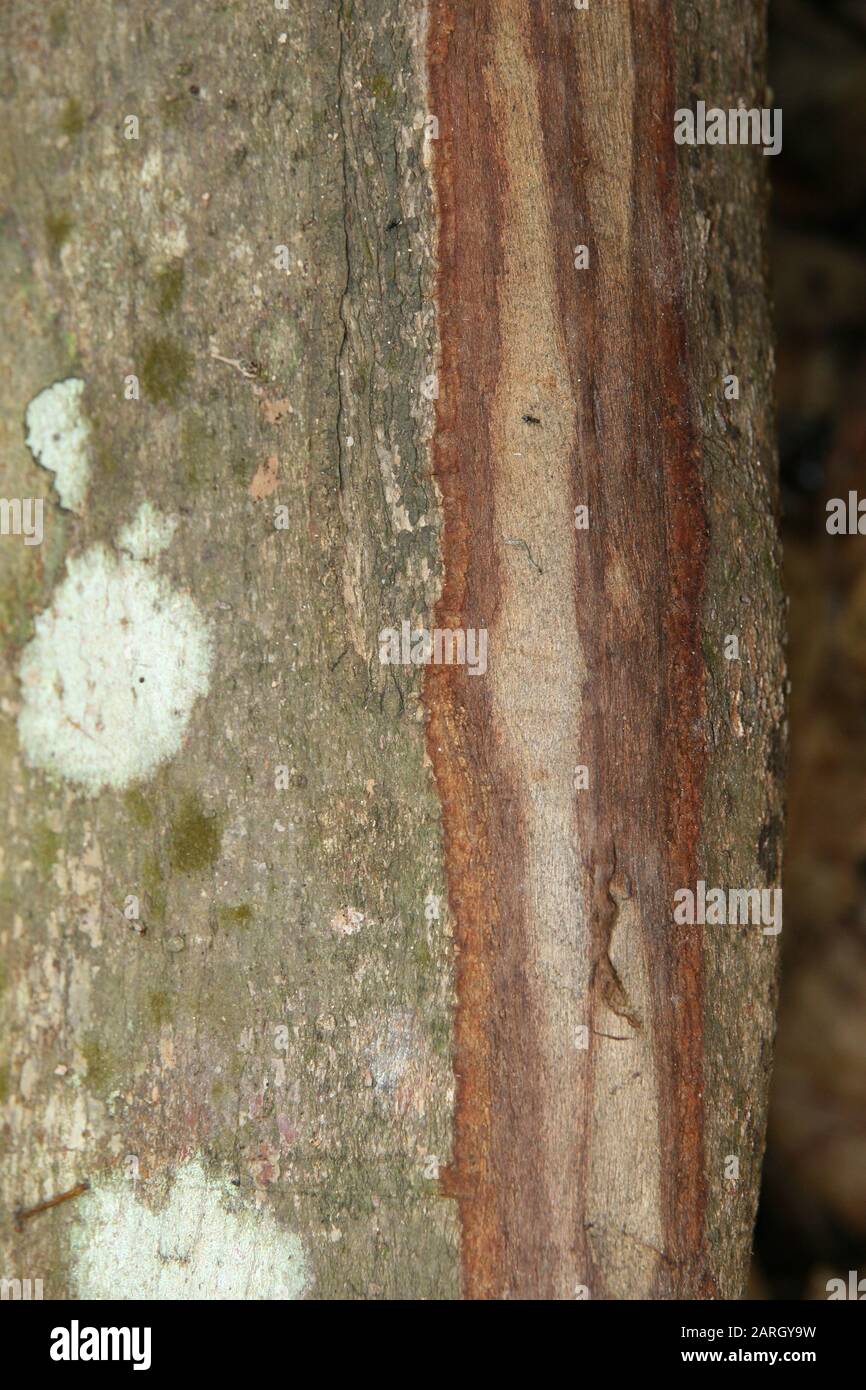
331, 976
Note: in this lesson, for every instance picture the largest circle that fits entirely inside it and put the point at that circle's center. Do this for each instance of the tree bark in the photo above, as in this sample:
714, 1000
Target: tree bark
328, 976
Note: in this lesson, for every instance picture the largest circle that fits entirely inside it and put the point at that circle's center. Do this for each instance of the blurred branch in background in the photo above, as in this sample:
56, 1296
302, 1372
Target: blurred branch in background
812, 1219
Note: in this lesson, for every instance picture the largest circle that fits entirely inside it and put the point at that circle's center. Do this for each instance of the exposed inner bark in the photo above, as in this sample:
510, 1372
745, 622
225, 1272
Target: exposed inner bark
559, 387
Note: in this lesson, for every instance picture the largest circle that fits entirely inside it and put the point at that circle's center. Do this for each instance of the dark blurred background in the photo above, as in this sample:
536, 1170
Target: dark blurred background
812, 1216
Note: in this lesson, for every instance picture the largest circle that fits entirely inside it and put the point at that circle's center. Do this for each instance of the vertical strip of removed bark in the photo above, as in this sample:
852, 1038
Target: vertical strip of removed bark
575, 1168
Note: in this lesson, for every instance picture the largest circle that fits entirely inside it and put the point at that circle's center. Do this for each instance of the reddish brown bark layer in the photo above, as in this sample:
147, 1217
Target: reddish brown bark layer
528, 1116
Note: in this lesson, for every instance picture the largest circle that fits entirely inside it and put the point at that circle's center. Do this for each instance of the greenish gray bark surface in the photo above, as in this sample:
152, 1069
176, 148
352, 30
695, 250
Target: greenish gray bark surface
316, 907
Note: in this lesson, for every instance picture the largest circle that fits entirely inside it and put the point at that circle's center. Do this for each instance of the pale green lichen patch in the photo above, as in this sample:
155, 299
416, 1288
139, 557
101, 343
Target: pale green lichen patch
203, 1243
195, 839
46, 847
165, 368
169, 287
58, 436
148, 534
239, 916
138, 807
111, 676
58, 226
72, 118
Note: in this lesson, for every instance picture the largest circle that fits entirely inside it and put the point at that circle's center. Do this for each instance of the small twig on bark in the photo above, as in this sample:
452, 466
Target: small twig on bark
22, 1215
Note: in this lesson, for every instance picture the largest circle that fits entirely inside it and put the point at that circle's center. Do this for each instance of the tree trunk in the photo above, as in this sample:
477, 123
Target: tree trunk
333, 976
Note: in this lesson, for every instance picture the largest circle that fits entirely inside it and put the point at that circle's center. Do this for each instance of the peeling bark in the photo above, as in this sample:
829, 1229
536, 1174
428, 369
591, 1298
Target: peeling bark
599, 1169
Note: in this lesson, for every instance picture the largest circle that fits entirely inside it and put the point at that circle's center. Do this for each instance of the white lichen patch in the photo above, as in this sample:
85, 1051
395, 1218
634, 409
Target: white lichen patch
110, 678
148, 534
202, 1243
58, 437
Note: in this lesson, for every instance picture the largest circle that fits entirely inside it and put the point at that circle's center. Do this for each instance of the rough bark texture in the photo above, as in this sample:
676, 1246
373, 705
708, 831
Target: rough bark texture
140, 257
275, 1050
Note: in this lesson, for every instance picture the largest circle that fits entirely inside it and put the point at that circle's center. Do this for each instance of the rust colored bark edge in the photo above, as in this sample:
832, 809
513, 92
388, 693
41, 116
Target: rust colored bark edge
574, 1168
